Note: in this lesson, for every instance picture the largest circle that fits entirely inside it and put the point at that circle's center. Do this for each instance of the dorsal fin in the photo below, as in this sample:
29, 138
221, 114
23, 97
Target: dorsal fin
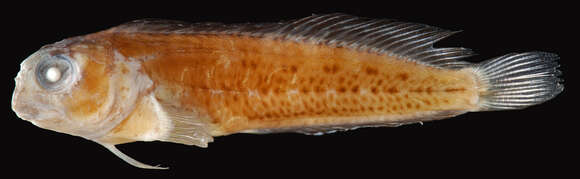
410, 41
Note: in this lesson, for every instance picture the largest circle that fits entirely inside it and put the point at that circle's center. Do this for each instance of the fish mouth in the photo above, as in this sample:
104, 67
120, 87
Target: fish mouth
35, 111
33, 108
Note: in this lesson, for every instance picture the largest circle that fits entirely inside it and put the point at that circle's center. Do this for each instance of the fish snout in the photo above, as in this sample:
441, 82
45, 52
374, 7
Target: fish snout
25, 111
32, 108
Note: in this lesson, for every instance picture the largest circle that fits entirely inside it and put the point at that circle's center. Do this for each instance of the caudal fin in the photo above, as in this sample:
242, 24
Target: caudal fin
518, 80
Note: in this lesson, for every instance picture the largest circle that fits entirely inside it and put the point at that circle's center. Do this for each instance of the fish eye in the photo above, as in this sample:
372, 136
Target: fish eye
54, 73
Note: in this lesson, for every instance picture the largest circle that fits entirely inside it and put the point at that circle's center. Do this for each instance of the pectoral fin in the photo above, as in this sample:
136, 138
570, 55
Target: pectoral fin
189, 127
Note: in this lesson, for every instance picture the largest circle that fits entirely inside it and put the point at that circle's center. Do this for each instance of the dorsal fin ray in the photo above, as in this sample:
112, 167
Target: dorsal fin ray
409, 41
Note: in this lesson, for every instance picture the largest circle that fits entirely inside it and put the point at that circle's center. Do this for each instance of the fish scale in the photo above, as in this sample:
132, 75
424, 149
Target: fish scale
262, 87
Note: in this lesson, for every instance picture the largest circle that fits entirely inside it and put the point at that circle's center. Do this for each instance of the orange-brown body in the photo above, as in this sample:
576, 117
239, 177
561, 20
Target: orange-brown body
159, 80
247, 83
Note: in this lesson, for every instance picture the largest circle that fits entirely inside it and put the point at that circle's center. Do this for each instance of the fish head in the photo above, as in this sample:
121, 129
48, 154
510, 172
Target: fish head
79, 86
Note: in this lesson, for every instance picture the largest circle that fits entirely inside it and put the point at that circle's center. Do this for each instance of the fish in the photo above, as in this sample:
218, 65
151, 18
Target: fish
186, 83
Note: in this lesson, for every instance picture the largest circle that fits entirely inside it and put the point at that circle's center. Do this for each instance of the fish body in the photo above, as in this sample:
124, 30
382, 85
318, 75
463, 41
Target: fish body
186, 83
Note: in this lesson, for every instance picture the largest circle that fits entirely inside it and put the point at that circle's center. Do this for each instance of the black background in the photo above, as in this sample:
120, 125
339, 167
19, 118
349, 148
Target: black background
537, 141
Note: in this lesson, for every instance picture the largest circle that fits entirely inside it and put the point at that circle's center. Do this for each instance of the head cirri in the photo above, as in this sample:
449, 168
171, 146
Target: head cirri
77, 86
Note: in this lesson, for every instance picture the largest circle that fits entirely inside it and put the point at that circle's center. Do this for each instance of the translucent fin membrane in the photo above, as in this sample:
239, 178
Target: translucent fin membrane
516, 81
410, 41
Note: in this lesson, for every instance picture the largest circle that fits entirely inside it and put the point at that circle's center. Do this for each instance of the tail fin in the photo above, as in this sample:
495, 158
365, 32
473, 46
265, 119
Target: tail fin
518, 80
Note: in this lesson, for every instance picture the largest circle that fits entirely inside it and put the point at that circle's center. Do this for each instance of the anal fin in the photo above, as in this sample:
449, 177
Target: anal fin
369, 121
321, 130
